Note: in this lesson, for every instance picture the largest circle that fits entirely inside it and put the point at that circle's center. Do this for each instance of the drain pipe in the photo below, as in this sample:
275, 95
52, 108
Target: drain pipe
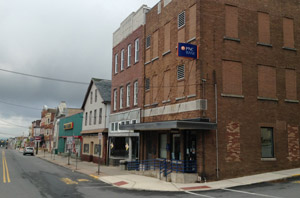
217, 140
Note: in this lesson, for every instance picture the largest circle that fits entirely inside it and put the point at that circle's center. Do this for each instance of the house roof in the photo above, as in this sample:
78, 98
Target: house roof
104, 88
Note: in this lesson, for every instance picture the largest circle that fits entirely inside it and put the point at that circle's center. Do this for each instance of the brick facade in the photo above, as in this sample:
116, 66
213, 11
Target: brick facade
262, 98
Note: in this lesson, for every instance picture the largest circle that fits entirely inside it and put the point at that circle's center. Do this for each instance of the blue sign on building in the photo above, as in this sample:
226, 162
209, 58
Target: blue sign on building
187, 50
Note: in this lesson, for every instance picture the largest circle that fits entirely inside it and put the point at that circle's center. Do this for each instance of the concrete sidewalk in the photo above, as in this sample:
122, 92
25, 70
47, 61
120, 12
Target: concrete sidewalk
129, 180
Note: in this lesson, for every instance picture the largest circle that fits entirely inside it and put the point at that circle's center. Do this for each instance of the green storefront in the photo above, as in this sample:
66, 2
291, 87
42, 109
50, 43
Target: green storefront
69, 134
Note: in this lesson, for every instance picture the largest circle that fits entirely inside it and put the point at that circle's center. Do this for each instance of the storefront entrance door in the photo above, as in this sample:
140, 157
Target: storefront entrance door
190, 146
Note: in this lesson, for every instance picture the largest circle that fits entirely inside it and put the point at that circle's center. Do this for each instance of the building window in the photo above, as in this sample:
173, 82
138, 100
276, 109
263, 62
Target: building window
267, 81
86, 148
86, 118
100, 115
116, 63
148, 41
267, 142
91, 100
163, 146
232, 77
90, 118
95, 95
180, 72
115, 99
181, 19
147, 84
135, 93
136, 50
112, 126
97, 149
263, 28
121, 97
128, 95
95, 116
291, 84
288, 33
129, 55
175, 154
231, 21
116, 126
122, 60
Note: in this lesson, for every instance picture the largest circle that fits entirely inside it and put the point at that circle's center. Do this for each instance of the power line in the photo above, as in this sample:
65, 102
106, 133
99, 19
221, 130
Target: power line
13, 124
43, 77
12, 104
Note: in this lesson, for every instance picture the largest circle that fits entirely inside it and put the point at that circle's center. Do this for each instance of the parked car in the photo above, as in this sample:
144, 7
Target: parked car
28, 150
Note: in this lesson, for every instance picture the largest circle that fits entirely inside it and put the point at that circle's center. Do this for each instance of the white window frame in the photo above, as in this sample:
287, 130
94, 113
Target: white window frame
115, 99
136, 50
90, 118
95, 116
135, 93
100, 116
91, 99
116, 63
95, 95
122, 59
129, 55
86, 118
121, 97
128, 95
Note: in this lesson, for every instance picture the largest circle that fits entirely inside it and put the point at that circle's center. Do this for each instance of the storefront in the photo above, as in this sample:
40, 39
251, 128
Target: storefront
70, 138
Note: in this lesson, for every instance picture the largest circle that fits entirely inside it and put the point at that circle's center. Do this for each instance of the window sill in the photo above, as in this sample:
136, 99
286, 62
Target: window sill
147, 105
154, 59
268, 159
154, 104
191, 40
191, 96
264, 44
291, 101
269, 99
180, 98
147, 63
289, 48
232, 39
167, 52
232, 95
166, 101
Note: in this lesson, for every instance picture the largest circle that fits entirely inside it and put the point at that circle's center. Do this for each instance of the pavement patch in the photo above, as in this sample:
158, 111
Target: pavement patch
195, 188
120, 183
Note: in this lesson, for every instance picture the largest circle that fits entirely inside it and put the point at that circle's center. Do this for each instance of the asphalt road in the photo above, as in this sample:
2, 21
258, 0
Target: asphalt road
29, 176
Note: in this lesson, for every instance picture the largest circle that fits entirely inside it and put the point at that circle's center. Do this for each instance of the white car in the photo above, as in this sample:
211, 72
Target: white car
28, 150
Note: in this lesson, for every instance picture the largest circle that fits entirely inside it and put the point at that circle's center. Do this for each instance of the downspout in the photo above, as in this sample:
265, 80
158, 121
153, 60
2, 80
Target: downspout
217, 140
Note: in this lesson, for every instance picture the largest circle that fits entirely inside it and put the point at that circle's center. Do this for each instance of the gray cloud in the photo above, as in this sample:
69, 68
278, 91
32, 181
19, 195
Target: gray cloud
64, 39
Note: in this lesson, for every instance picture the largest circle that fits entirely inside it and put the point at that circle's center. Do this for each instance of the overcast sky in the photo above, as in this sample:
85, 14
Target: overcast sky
63, 39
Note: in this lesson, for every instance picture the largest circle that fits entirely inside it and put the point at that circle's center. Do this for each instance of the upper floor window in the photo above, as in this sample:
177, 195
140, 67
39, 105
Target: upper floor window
147, 84
95, 116
128, 95
121, 97
91, 99
90, 118
129, 55
135, 93
231, 21
288, 33
148, 41
100, 115
181, 19
122, 60
86, 118
116, 63
137, 48
115, 99
263, 28
95, 95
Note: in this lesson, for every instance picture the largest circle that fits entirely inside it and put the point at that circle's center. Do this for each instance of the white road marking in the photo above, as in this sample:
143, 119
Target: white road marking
199, 195
250, 193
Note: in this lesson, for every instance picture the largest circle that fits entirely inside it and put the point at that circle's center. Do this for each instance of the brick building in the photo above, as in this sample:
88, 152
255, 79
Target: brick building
235, 110
47, 118
127, 78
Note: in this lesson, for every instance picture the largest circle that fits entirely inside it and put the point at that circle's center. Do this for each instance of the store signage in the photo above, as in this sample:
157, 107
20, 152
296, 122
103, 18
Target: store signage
100, 136
187, 50
68, 126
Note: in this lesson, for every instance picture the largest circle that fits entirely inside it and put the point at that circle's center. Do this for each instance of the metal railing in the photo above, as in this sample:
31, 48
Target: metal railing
164, 166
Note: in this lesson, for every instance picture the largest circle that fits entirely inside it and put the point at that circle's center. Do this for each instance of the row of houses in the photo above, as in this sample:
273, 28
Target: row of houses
232, 111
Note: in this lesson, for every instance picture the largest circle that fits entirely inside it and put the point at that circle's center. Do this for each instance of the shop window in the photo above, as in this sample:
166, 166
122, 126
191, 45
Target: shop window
163, 146
86, 148
175, 154
97, 149
118, 146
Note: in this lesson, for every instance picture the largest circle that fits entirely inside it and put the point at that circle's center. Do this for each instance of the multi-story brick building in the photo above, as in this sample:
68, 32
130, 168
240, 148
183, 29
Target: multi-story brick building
47, 118
127, 78
247, 71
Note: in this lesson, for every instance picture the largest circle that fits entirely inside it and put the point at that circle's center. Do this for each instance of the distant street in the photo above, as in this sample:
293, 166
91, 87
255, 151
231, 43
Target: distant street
29, 176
